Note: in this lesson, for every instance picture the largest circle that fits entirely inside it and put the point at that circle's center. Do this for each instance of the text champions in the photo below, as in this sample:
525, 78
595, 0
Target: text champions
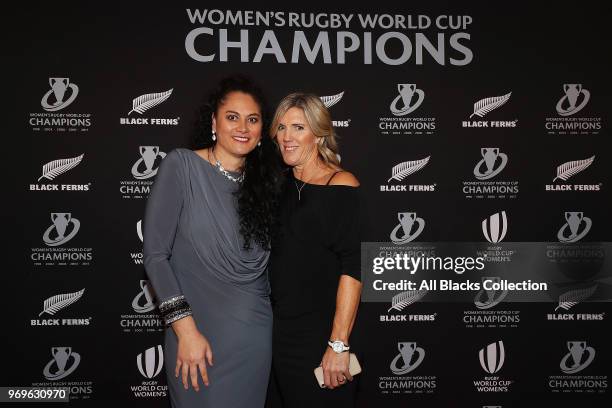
328, 38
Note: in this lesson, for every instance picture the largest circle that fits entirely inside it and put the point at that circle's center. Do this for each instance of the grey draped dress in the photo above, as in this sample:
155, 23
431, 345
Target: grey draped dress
193, 248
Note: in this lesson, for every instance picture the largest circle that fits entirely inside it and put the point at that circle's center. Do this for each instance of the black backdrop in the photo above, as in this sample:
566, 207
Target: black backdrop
116, 53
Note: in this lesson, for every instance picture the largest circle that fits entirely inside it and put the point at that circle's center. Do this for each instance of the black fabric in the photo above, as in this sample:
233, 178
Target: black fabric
318, 242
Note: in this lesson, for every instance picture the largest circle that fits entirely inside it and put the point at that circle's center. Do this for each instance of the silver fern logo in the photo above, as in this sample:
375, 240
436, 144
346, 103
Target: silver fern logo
56, 303
61, 94
404, 169
331, 100
487, 298
407, 223
571, 168
495, 227
492, 357
63, 229
574, 99
145, 102
486, 105
146, 295
405, 299
408, 100
151, 362
409, 358
148, 160
493, 162
576, 227
579, 357
571, 298
56, 167
64, 362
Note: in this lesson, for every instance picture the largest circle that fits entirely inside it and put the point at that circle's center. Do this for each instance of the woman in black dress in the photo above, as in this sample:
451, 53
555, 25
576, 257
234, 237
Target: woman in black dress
315, 260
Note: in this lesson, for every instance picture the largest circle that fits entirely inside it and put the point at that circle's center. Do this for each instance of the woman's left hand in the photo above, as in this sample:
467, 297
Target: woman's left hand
335, 368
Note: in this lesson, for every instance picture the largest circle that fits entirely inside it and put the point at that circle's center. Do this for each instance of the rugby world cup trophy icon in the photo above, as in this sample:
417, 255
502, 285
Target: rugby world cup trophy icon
491, 157
148, 155
406, 95
59, 86
149, 298
487, 298
407, 351
407, 221
577, 350
574, 221
571, 102
61, 356
61, 221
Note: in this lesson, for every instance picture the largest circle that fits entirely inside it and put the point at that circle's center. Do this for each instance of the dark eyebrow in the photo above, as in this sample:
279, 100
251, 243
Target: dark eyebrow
236, 113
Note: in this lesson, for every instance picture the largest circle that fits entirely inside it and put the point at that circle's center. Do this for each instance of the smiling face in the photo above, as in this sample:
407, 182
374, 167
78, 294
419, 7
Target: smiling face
238, 124
297, 143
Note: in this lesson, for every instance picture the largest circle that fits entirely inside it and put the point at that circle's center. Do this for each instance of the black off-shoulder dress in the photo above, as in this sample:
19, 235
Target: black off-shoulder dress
318, 241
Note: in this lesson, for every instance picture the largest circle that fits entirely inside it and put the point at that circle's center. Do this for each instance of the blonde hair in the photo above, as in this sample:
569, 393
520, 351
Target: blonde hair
319, 121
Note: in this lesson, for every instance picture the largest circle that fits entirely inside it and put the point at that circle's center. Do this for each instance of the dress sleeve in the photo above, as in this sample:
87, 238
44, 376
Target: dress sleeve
161, 220
346, 221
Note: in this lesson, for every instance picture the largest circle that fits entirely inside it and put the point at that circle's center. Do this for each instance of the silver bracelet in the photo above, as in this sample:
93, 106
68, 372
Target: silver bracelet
174, 309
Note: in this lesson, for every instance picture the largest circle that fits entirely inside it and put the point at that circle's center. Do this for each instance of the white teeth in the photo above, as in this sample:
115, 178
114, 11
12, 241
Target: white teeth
242, 139
290, 148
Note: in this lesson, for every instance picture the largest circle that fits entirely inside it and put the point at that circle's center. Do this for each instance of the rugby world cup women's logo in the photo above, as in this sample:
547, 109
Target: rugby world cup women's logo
576, 360
575, 98
575, 228
148, 157
492, 357
63, 229
59, 86
407, 92
407, 221
495, 227
64, 362
151, 362
494, 162
410, 356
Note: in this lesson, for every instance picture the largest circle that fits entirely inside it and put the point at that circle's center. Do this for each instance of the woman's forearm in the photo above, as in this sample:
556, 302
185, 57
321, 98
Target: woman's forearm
347, 302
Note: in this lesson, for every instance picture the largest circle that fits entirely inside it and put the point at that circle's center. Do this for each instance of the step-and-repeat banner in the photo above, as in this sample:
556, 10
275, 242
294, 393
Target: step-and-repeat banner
480, 136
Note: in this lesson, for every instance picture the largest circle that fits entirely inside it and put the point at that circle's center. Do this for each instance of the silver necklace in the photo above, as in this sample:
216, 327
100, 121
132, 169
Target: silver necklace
226, 173
299, 189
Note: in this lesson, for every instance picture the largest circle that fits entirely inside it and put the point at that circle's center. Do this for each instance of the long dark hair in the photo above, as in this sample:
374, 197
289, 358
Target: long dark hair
258, 194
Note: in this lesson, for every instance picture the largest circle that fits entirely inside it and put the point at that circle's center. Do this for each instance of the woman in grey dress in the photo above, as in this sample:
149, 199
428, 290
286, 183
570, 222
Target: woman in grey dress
206, 249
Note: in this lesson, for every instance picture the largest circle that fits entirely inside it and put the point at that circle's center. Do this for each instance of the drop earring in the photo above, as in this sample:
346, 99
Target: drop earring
214, 136
259, 143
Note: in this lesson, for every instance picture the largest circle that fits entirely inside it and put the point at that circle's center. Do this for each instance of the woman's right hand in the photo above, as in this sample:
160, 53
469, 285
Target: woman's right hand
193, 352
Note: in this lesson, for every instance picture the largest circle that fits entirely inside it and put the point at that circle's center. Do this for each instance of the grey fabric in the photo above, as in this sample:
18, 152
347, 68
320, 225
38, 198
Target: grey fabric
192, 247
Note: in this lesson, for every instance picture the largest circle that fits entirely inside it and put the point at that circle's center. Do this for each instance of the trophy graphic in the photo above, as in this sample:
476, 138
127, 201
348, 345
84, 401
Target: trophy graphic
574, 219
61, 355
148, 296
59, 86
406, 224
60, 226
490, 156
576, 352
491, 298
148, 155
570, 99
406, 354
406, 93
